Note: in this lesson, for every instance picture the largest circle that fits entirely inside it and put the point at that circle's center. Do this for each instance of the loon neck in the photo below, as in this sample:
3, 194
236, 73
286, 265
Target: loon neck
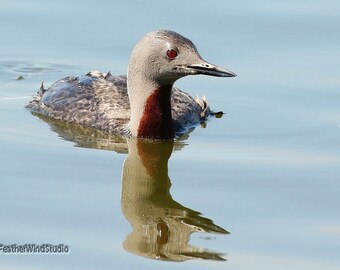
150, 110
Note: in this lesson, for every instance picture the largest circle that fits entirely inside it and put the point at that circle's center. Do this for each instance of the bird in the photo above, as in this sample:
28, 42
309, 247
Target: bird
143, 104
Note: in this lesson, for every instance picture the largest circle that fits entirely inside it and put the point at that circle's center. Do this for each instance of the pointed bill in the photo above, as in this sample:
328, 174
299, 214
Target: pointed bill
206, 68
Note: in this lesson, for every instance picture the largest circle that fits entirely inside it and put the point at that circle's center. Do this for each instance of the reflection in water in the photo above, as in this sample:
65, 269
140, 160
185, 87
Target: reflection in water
84, 136
93, 138
161, 226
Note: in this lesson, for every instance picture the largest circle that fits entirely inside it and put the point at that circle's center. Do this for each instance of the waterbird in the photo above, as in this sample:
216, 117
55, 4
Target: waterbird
144, 103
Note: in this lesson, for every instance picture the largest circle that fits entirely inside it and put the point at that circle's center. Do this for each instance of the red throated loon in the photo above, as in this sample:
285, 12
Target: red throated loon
145, 103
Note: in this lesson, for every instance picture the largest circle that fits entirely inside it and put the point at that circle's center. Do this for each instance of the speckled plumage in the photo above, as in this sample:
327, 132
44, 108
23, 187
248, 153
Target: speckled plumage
146, 105
101, 101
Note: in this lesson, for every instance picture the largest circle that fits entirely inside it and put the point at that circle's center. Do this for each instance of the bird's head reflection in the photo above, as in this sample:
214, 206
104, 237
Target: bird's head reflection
161, 226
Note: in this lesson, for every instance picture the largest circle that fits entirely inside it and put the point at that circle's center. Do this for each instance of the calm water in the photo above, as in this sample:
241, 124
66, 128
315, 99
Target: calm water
267, 172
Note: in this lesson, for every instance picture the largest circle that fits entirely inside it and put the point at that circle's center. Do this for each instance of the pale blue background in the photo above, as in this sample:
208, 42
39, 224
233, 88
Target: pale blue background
268, 171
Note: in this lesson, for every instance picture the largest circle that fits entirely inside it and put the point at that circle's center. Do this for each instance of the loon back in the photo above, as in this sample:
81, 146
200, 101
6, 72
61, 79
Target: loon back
101, 101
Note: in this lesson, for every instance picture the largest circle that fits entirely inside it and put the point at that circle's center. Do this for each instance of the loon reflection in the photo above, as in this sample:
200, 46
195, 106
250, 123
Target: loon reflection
161, 227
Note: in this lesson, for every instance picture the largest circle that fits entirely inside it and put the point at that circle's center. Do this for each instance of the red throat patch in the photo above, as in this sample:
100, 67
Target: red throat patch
156, 122
155, 156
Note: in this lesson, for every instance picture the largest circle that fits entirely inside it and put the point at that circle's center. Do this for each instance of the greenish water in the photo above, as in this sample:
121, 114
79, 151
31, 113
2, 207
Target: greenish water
267, 172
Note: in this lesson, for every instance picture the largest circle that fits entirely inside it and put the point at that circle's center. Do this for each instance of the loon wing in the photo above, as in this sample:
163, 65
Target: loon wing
93, 100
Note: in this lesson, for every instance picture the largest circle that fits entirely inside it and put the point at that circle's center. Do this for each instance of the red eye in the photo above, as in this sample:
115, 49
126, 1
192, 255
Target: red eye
172, 54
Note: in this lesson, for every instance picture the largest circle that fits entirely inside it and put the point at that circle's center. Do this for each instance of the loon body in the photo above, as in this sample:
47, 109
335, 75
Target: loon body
143, 104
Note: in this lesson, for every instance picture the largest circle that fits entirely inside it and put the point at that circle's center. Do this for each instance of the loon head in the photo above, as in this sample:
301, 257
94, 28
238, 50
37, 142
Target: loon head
164, 56
157, 61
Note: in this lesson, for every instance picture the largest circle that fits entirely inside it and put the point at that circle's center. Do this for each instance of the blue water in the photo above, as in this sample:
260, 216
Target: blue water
267, 172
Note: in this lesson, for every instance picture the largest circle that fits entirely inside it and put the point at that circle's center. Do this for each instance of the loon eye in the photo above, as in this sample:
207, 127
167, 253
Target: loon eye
171, 54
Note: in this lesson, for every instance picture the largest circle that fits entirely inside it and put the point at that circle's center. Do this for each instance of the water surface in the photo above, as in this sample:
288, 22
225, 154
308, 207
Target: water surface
267, 172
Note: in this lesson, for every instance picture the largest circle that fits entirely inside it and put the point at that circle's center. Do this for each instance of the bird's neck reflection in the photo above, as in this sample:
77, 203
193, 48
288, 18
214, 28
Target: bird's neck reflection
161, 226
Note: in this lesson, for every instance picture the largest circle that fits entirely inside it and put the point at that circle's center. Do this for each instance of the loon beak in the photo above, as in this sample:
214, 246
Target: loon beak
206, 68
